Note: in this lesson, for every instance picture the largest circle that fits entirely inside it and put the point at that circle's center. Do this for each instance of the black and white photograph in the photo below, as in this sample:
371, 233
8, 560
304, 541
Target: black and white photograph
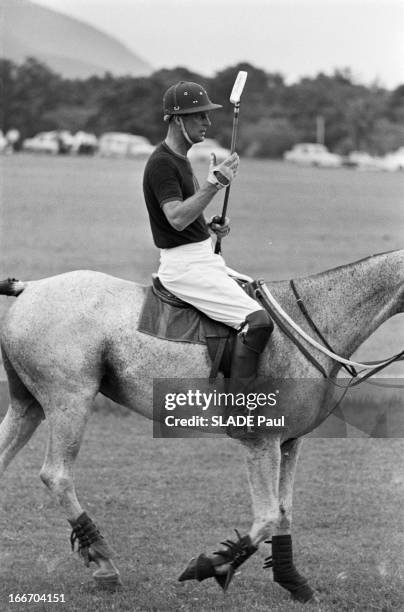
202, 305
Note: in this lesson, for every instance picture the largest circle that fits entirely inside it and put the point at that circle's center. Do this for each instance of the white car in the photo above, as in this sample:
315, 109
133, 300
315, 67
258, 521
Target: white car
362, 161
140, 147
44, 142
120, 144
84, 143
3, 142
312, 154
393, 161
202, 151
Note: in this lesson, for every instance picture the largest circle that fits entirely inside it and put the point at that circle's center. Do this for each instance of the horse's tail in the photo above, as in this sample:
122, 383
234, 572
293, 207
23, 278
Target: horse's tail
11, 286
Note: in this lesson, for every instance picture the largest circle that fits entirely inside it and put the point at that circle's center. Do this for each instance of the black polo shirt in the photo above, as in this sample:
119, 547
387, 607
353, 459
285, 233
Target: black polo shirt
168, 177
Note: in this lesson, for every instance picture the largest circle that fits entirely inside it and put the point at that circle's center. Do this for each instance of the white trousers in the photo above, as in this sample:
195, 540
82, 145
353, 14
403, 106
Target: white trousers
194, 273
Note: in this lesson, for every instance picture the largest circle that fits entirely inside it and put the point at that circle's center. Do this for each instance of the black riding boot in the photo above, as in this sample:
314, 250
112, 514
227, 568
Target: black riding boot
249, 345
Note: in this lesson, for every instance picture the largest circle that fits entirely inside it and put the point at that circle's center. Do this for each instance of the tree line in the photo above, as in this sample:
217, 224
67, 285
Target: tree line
274, 115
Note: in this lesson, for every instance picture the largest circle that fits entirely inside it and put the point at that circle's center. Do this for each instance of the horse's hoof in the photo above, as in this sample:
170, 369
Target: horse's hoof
305, 595
189, 572
198, 569
203, 568
107, 580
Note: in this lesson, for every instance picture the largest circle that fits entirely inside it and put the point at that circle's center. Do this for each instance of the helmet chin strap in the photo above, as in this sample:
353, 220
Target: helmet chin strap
184, 131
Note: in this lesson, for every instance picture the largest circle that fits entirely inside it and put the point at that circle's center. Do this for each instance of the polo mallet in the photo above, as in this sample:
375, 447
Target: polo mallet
234, 99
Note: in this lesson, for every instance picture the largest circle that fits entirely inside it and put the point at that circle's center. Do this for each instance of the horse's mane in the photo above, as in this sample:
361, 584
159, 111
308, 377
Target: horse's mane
350, 265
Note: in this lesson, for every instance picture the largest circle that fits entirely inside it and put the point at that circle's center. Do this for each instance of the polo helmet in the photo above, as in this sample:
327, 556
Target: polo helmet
186, 97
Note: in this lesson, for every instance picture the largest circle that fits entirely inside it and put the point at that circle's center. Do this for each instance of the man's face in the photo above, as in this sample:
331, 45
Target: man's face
196, 125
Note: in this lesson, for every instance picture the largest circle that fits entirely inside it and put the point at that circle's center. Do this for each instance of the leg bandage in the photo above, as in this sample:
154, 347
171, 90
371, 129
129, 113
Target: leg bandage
86, 533
284, 570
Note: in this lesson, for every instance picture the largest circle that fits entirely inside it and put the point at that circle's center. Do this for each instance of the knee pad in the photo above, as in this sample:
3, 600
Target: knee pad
259, 328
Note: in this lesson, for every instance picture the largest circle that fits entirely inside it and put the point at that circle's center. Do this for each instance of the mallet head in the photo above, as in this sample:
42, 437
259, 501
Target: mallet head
238, 87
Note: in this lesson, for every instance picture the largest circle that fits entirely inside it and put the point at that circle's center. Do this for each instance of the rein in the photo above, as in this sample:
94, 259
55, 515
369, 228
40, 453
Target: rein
279, 321
350, 369
265, 297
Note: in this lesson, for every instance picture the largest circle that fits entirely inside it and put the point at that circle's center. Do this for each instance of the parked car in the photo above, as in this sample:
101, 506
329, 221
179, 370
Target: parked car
140, 147
57, 141
120, 144
44, 142
393, 161
312, 154
3, 142
362, 161
202, 151
84, 143
12, 137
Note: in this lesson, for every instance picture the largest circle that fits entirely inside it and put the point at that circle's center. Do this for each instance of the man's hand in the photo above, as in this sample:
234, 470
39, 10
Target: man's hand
217, 228
223, 174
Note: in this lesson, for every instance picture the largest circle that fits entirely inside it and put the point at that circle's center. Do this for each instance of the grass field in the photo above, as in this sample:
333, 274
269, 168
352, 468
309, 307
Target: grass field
159, 502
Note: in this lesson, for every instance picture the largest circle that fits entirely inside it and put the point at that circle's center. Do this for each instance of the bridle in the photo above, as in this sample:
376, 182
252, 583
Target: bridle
286, 324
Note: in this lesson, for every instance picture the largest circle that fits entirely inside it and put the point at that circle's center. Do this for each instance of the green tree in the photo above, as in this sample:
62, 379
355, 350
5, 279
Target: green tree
363, 111
273, 115
320, 96
385, 136
395, 105
8, 72
267, 138
29, 91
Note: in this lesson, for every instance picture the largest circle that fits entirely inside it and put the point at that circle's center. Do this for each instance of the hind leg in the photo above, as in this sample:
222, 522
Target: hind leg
66, 428
16, 429
21, 420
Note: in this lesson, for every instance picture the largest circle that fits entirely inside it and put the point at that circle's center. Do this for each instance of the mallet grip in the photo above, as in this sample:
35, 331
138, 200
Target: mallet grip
222, 219
227, 192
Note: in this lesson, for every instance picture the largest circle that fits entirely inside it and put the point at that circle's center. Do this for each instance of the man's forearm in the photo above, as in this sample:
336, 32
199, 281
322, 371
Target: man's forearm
182, 214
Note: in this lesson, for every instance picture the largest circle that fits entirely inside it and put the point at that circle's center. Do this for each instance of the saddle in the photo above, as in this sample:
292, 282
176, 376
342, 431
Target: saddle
168, 317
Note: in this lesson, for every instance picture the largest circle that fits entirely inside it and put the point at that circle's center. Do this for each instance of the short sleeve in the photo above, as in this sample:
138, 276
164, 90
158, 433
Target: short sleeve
164, 181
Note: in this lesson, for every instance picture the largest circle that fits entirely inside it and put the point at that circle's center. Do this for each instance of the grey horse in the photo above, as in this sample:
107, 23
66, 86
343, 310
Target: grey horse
68, 337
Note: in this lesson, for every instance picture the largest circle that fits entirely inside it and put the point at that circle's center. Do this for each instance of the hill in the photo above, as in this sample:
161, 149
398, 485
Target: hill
68, 46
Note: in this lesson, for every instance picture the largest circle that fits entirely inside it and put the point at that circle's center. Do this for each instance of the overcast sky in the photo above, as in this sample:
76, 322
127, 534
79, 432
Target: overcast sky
294, 37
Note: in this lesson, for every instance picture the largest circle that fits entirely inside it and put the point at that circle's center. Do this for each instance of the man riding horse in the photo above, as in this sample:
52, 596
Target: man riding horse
189, 268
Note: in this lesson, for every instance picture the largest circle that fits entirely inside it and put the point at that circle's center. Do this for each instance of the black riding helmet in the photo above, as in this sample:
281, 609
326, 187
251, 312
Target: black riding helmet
185, 98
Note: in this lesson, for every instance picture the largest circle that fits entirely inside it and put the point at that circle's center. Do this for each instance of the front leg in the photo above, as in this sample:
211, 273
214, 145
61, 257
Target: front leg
262, 454
284, 571
263, 469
